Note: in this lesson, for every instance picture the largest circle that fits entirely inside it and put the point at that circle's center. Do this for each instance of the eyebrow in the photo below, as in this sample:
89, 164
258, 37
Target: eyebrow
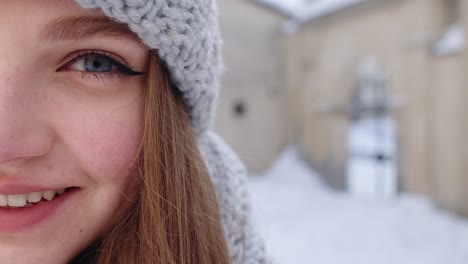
79, 27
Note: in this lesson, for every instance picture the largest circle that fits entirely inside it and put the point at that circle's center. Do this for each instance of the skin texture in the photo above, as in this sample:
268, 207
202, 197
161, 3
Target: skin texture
62, 128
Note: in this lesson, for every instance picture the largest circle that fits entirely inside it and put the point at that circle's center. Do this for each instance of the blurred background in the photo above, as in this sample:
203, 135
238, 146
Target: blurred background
351, 117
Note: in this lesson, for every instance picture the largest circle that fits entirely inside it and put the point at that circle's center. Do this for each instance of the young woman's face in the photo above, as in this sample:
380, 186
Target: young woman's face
71, 107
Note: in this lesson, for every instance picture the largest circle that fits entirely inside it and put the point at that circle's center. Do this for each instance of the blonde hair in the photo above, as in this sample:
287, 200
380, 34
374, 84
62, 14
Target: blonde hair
172, 215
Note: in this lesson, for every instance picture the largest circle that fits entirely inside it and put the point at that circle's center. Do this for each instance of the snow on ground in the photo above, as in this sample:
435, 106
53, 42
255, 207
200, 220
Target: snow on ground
302, 221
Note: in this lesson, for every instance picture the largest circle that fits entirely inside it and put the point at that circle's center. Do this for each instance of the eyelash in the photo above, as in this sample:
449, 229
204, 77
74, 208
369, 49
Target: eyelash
121, 69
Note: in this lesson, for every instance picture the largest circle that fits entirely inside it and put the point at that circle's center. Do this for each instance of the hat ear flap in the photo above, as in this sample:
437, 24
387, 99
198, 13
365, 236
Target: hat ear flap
229, 176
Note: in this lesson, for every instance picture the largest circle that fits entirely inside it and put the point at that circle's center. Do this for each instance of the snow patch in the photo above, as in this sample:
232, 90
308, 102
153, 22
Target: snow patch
303, 221
452, 42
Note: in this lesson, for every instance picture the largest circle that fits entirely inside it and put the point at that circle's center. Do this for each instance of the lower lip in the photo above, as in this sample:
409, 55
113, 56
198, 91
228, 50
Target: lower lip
17, 219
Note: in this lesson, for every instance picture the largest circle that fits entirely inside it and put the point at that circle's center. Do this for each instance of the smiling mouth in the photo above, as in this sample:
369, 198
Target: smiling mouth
30, 199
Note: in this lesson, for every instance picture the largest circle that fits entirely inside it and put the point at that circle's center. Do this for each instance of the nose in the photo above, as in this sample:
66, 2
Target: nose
23, 135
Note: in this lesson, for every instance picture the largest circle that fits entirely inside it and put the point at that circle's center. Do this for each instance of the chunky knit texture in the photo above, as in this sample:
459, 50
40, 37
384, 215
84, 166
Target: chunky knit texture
186, 36
230, 179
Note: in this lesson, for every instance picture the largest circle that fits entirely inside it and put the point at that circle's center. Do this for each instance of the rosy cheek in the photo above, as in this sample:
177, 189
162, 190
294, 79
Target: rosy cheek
111, 149
99, 135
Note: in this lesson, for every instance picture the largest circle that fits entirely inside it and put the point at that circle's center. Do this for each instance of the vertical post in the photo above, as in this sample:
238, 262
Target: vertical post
463, 15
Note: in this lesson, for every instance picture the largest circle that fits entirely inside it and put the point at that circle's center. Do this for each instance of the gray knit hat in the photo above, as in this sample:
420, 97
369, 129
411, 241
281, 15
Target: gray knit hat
185, 33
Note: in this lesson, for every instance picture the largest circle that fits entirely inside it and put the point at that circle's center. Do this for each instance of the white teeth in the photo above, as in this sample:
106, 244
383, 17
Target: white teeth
48, 195
34, 197
17, 200
3, 200
29, 199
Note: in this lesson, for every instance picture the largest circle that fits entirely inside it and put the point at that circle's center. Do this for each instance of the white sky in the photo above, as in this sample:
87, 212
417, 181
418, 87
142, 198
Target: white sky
309, 9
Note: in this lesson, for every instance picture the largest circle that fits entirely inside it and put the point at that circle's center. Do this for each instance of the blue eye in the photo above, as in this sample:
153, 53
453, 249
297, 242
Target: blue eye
98, 63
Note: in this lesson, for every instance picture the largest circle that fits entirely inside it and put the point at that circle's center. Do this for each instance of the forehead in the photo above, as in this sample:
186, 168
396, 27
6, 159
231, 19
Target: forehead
42, 9
54, 20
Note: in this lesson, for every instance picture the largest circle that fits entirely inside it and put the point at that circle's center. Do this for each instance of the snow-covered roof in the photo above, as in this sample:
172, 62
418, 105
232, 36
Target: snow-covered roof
453, 41
304, 10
